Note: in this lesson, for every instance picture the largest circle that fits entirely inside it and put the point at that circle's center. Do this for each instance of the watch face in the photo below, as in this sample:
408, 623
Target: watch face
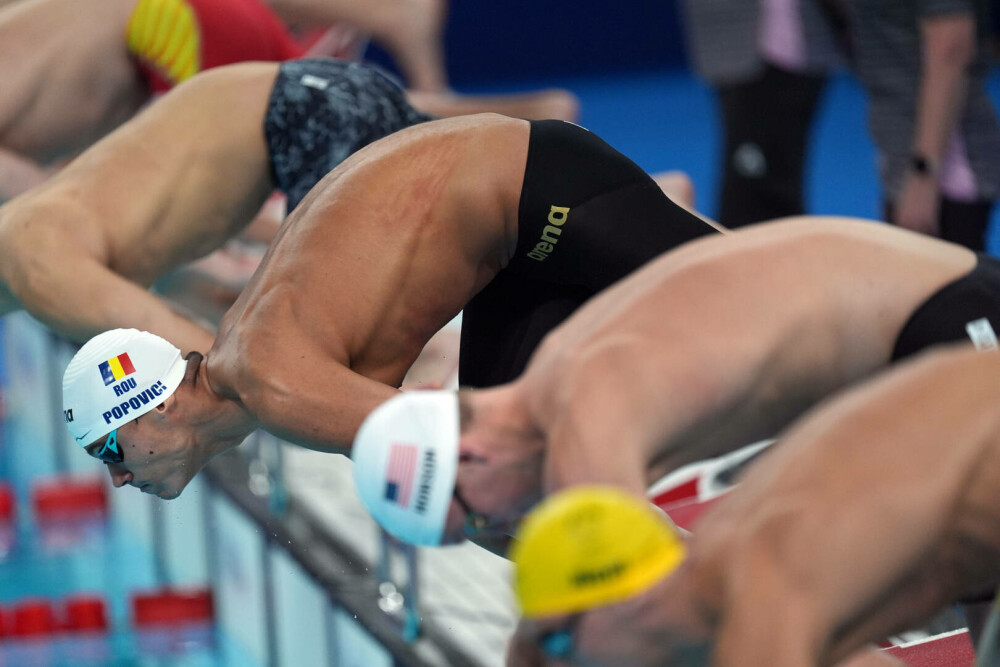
920, 164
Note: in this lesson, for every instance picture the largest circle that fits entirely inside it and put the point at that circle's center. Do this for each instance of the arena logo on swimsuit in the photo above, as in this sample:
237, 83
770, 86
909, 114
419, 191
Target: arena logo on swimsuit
550, 235
134, 403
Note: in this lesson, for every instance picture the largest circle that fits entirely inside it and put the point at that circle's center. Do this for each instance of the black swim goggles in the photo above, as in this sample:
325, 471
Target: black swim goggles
559, 643
476, 523
110, 452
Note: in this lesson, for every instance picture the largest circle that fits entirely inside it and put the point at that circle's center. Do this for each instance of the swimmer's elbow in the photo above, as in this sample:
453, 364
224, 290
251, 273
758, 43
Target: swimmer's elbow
35, 280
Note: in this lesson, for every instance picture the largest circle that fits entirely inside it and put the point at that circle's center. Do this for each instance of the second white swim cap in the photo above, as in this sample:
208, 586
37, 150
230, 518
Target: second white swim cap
405, 464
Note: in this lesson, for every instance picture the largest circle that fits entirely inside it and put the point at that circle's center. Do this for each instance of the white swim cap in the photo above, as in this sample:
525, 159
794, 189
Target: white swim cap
117, 376
405, 463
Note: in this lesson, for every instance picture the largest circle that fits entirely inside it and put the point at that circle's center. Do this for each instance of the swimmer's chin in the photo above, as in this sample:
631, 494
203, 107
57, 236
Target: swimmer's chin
162, 494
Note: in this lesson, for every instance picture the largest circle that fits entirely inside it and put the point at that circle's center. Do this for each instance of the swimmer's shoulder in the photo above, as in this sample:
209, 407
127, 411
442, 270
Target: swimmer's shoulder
469, 130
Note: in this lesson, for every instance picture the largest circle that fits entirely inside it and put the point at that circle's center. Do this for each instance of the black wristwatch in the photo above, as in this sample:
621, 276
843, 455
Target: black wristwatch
921, 165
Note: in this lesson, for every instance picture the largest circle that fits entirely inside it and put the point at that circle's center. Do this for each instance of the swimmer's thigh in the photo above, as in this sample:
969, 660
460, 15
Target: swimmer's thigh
505, 322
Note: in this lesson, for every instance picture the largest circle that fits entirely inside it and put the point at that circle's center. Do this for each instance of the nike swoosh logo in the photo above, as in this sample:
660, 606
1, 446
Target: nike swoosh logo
84, 435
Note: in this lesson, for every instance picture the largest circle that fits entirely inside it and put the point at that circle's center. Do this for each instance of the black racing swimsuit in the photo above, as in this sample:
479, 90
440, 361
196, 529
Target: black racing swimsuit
588, 216
964, 309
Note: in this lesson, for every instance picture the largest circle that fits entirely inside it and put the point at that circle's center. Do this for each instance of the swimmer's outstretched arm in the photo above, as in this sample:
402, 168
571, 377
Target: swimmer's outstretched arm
303, 394
597, 434
868, 517
70, 290
167, 187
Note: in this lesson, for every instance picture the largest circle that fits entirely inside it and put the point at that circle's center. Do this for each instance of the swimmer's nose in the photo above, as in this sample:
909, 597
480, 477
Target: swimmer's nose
119, 476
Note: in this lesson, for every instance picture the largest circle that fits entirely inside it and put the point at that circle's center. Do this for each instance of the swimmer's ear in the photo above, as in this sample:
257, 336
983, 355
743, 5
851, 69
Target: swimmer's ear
164, 407
159, 414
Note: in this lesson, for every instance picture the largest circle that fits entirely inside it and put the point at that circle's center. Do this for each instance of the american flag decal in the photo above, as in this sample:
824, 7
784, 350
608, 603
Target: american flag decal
401, 469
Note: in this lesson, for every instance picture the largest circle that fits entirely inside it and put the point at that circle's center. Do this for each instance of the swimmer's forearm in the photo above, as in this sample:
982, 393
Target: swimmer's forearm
311, 400
752, 634
597, 429
81, 299
153, 316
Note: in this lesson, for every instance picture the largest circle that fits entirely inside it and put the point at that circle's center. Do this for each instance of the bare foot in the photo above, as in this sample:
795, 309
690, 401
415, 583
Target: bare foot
552, 103
678, 186
410, 30
413, 36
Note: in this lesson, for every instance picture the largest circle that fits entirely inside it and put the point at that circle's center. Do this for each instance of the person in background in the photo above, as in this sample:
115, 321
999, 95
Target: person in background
923, 63
767, 61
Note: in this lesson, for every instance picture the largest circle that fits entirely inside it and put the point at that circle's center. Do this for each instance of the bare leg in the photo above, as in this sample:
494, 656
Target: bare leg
553, 103
409, 29
339, 41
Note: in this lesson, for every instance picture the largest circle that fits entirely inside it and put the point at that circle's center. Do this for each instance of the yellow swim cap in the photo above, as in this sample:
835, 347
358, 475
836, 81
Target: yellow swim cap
588, 547
166, 34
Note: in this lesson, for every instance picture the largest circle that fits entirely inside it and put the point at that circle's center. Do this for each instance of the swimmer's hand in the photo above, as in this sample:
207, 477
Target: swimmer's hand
871, 658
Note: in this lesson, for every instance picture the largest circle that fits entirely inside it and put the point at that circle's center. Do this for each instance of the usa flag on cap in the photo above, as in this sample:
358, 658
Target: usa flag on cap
401, 468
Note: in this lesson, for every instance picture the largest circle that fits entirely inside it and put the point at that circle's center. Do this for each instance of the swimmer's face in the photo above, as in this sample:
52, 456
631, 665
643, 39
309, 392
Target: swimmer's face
500, 468
490, 500
158, 451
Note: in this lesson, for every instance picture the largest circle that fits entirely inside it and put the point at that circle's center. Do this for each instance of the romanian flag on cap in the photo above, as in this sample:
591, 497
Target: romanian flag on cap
116, 368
